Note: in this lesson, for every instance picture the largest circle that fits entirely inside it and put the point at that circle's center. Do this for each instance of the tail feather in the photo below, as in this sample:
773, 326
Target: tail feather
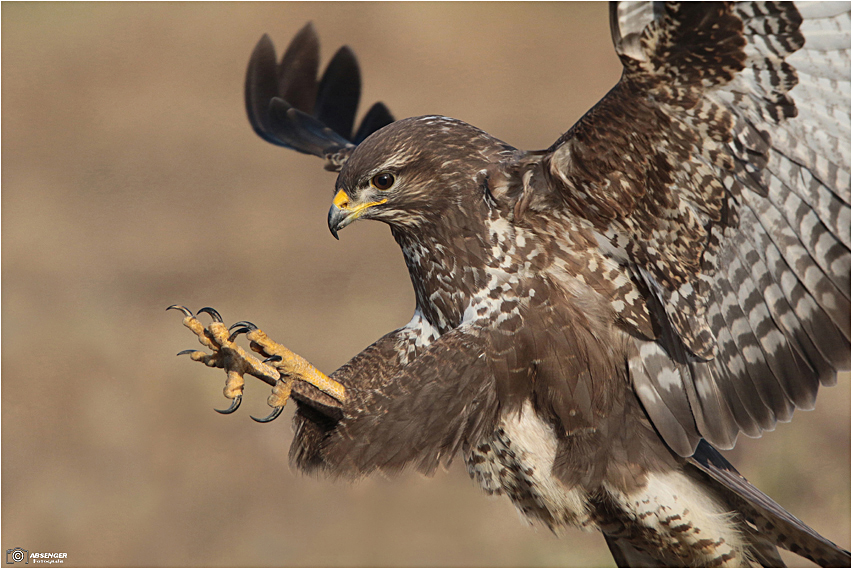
771, 523
625, 555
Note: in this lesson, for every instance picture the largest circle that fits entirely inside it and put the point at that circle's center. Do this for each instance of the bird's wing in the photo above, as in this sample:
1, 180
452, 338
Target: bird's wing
287, 106
716, 173
318, 415
421, 414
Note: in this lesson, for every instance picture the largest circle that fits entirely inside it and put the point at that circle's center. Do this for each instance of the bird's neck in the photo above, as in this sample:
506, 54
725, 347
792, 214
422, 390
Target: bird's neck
447, 264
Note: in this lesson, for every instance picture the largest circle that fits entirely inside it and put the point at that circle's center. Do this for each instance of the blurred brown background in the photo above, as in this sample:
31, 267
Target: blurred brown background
131, 181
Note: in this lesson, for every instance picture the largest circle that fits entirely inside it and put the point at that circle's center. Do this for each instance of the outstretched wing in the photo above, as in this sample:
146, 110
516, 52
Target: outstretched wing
287, 106
412, 402
717, 175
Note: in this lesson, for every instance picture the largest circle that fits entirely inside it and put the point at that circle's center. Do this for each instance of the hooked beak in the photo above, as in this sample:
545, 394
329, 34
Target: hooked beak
342, 213
337, 220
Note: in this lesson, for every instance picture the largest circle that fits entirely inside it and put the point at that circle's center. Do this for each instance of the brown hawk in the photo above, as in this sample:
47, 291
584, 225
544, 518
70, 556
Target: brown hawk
593, 320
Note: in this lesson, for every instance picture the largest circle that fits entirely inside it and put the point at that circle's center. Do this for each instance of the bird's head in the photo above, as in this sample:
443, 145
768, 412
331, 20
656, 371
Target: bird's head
408, 173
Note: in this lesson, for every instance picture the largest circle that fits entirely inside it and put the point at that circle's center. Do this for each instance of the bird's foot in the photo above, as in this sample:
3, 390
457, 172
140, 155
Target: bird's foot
279, 368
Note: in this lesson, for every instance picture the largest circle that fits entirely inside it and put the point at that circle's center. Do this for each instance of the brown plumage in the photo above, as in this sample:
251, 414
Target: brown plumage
592, 319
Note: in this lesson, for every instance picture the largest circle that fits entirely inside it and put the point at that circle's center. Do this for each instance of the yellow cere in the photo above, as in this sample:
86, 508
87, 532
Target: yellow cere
341, 200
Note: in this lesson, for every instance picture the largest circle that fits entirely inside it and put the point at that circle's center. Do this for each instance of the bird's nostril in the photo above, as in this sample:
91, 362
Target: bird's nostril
341, 200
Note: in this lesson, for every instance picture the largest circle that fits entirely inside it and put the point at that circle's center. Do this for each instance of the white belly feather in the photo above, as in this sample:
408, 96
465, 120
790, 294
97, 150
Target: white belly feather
674, 512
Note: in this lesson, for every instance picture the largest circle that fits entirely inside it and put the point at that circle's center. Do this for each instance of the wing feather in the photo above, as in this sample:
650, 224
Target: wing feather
739, 388
339, 93
297, 72
658, 382
287, 106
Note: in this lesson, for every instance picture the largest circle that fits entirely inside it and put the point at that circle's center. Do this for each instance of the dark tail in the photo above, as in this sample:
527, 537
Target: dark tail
287, 106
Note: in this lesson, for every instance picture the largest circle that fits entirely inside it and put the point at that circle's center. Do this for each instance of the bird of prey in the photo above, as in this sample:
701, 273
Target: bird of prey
595, 319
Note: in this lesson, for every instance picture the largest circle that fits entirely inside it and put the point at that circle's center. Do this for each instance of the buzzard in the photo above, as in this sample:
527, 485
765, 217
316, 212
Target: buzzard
595, 319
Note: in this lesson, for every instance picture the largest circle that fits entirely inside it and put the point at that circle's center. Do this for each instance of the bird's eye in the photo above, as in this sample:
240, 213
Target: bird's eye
383, 181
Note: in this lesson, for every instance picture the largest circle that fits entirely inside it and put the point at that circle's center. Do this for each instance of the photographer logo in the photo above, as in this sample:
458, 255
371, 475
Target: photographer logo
17, 555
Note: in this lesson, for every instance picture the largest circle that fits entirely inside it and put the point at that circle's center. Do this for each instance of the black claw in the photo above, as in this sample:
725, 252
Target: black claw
184, 309
212, 312
184, 352
235, 404
244, 324
236, 333
275, 358
272, 416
